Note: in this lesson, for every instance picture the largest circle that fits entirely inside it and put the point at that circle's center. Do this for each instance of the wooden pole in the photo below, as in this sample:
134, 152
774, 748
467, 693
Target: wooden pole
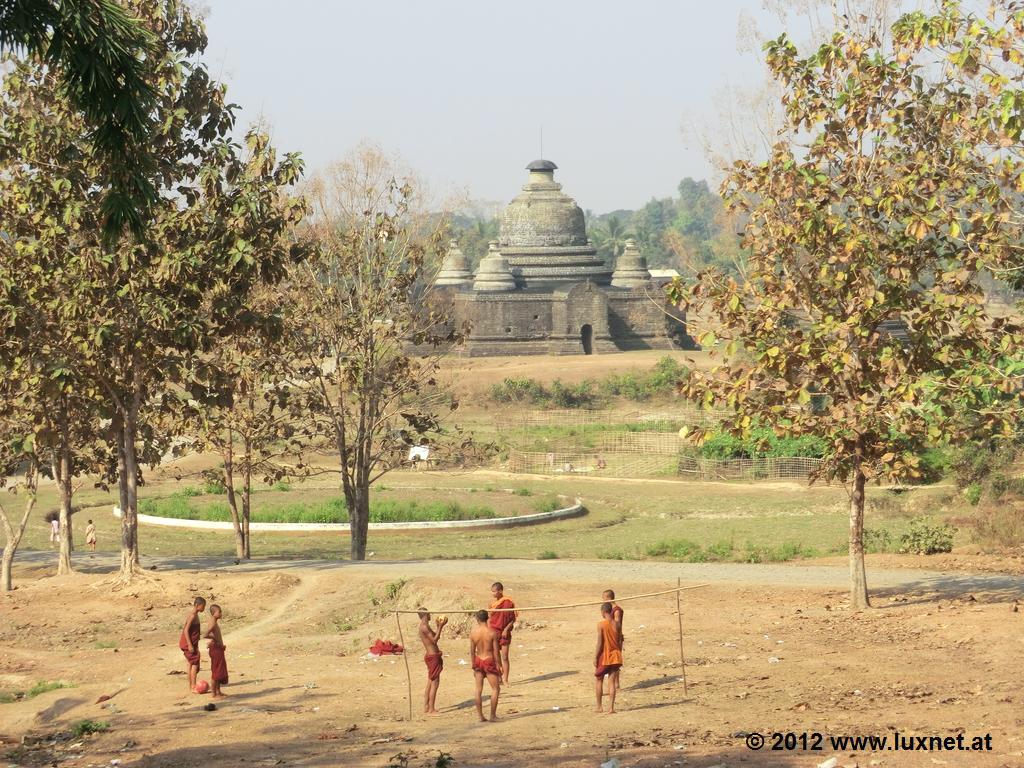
679, 616
405, 655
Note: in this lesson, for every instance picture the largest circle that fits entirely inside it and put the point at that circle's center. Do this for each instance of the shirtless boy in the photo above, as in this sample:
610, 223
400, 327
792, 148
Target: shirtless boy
484, 649
617, 612
607, 658
502, 623
216, 648
189, 641
432, 657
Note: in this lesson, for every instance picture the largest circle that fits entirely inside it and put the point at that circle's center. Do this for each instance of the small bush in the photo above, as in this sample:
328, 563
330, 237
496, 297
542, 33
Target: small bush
281, 485
87, 727
393, 588
549, 504
925, 537
973, 494
189, 491
522, 492
878, 540
213, 482
681, 550
719, 551
547, 555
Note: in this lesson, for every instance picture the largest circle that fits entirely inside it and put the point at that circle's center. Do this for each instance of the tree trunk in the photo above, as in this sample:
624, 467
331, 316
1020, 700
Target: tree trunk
128, 487
247, 499
858, 576
358, 499
13, 535
229, 488
62, 473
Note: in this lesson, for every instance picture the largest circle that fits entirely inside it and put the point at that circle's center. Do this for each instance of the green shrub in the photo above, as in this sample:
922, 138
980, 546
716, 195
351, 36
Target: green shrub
934, 464
761, 443
778, 554
681, 550
519, 391
522, 492
86, 727
973, 494
213, 481
878, 540
549, 504
924, 537
190, 490
281, 485
719, 551
547, 555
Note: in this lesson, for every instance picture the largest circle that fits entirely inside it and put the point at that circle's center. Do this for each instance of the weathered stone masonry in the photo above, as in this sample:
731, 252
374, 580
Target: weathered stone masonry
542, 289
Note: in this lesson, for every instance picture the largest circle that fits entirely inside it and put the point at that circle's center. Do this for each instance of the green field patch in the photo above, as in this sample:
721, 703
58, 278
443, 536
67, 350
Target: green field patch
329, 510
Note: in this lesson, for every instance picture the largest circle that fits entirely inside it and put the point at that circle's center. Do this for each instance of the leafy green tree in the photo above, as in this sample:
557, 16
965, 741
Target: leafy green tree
610, 238
367, 342
98, 50
895, 185
18, 456
136, 322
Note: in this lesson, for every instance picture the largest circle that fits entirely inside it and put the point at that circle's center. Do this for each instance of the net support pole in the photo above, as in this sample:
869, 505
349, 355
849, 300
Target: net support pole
405, 655
679, 617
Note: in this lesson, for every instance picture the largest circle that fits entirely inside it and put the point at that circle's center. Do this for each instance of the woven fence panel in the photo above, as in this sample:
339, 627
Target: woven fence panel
769, 468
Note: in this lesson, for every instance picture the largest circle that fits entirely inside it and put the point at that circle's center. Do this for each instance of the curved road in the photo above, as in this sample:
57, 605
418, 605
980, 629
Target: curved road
904, 581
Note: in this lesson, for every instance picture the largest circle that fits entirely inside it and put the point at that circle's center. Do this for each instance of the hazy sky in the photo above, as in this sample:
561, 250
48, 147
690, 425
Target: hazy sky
460, 89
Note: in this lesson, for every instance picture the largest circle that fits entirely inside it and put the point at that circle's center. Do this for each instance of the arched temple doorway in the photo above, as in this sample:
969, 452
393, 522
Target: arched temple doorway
587, 337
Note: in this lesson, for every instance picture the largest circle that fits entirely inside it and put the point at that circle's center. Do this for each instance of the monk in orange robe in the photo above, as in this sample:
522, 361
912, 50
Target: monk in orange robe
607, 658
189, 641
617, 612
502, 622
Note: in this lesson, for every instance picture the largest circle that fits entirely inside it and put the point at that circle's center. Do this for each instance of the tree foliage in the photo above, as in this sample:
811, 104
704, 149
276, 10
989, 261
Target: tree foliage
895, 186
367, 339
98, 50
133, 323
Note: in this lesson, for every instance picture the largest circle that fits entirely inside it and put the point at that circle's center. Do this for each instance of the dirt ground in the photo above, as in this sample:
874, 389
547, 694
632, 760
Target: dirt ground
760, 658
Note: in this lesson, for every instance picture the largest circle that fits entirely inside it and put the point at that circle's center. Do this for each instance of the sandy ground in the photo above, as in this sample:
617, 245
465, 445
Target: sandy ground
940, 656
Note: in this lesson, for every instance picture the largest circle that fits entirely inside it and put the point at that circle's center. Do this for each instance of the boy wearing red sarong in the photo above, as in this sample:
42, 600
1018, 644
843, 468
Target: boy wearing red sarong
218, 664
189, 641
432, 657
484, 649
607, 657
502, 622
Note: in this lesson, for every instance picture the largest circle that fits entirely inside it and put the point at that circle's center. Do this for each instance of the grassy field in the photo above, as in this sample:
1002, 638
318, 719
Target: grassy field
660, 520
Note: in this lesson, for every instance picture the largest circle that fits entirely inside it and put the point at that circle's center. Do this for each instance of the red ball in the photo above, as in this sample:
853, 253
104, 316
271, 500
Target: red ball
202, 687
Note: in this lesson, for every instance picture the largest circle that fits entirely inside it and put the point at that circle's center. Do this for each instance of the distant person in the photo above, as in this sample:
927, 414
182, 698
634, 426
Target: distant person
600, 462
617, 612
216, 648
55, 531
607, 658
432, 658
90, 535
189, 641
484, 650
502, 621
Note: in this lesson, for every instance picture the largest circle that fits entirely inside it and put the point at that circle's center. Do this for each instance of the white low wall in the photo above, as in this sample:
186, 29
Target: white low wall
575, 510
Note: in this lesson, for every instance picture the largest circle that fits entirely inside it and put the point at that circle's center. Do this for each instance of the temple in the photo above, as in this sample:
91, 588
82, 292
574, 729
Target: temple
542, 289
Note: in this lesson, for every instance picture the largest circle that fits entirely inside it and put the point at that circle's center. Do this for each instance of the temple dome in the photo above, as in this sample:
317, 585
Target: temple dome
542, 215
543, 235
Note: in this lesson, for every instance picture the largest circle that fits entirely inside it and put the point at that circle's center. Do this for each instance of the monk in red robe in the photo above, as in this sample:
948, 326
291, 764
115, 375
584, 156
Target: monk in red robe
502, 622
218, 664
484, 649
189, 641
607, 657
432, 657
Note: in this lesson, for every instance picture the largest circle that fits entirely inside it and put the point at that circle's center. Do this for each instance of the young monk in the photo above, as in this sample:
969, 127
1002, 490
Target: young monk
189, 641
502, 623
617, 612
607, 657
90, 536
432, 657
485, 649
216, 648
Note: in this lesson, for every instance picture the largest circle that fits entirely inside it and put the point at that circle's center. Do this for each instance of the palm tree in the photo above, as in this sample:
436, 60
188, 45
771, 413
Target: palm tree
610, 238
96, 46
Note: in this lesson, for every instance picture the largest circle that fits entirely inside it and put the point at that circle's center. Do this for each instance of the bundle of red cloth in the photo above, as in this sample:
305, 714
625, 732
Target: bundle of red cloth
386, 648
